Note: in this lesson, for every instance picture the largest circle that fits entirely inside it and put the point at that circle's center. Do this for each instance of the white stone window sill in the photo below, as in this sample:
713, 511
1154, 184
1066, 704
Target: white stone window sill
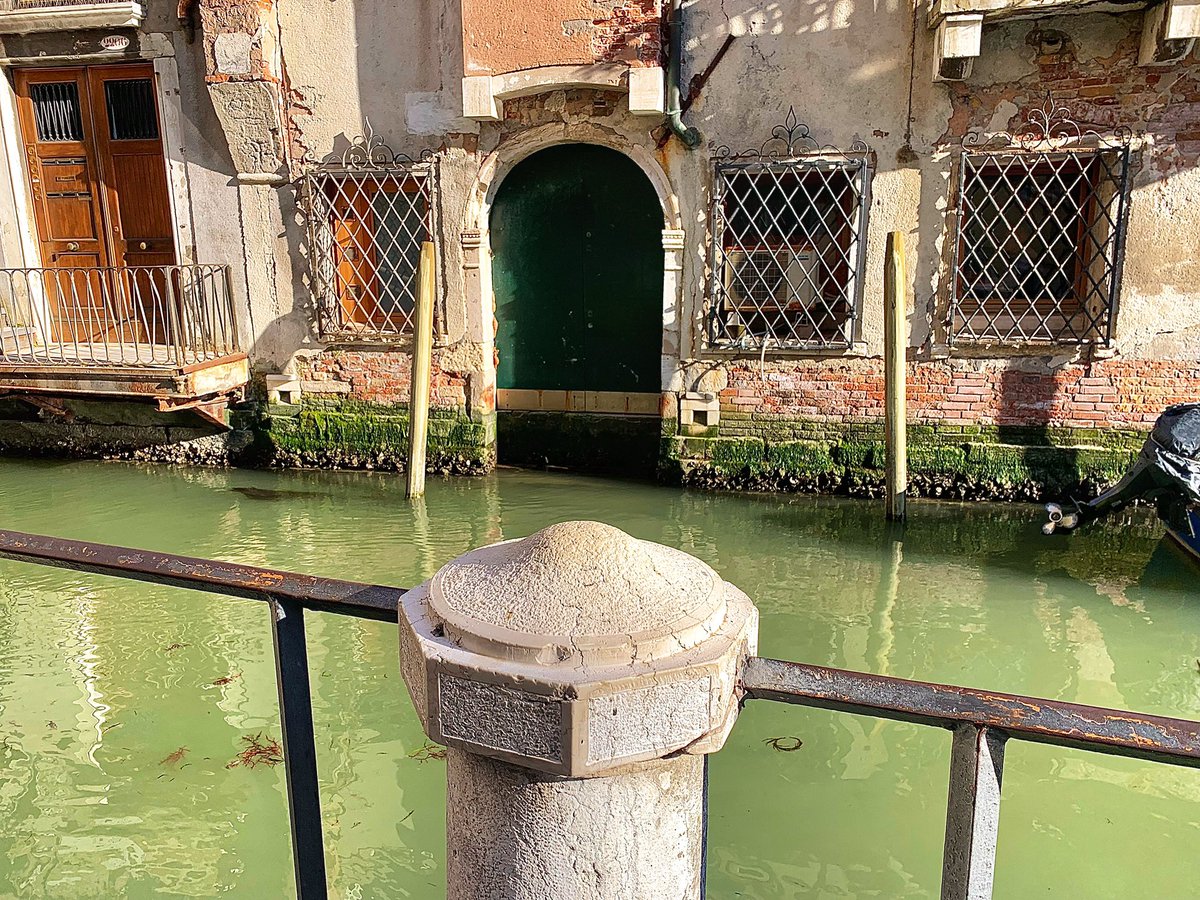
127, 14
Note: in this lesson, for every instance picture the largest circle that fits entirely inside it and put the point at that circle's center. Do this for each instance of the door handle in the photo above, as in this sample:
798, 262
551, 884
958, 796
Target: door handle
142, 245
72, 246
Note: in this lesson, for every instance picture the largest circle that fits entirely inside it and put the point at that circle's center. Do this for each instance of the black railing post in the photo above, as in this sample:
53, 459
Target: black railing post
299, 749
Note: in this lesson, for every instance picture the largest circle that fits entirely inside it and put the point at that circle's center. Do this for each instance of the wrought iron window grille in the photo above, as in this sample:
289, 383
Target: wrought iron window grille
1039, 233
367, 210
789, 221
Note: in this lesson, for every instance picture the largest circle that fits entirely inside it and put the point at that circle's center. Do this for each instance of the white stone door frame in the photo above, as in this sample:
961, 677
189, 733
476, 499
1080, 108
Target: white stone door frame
476, 244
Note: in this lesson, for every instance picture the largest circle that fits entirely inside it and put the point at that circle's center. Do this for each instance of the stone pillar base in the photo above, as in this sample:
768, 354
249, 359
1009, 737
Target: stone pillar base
516, 834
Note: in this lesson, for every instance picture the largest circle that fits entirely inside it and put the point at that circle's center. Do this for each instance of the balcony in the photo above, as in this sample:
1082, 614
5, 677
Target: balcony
27, 16
165, 333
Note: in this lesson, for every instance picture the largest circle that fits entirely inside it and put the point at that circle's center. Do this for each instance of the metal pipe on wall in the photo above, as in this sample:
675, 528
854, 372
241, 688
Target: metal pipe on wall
690, 136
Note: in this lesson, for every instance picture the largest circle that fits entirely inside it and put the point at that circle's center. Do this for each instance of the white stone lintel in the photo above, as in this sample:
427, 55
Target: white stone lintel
672, 239
126, 14
484, 95
956, 45
479, 99
647, 91
1169, 32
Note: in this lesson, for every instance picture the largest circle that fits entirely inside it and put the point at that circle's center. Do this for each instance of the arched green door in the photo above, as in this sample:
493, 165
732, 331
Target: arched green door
577, 272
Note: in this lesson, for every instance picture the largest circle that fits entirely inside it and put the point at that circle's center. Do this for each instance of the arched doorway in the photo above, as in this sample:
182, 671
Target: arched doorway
577, 272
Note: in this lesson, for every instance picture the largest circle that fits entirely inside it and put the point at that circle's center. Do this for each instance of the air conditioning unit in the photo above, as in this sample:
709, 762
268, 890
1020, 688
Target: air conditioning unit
779, 278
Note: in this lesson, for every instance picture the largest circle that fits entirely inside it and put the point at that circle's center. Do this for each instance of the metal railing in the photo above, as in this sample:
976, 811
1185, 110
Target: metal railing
981, 721
141, 316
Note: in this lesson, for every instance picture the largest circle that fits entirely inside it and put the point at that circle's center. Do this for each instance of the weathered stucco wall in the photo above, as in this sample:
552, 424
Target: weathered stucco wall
850, 70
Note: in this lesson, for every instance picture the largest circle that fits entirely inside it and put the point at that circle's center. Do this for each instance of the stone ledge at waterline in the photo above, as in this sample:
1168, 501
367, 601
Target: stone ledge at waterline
99, 428
343, 435
969, 462
355, 435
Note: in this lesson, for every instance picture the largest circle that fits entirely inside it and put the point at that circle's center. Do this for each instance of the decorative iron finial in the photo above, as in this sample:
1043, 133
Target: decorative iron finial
789, 139
367, 153
1050, 126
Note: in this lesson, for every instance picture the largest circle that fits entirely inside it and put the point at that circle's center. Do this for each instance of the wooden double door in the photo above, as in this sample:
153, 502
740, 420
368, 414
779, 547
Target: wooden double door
96, 169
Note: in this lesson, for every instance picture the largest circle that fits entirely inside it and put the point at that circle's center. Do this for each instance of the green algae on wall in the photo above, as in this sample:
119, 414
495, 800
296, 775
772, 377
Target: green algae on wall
357, 435
957, 461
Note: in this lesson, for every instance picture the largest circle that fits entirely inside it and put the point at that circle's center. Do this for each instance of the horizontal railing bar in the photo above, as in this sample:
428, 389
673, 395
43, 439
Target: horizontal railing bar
1110, 731
367, 601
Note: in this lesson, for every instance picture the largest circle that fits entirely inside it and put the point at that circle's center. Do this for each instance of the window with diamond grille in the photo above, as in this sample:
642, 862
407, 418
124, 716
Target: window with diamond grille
1040, 236
787, 253
366, 228
788, 227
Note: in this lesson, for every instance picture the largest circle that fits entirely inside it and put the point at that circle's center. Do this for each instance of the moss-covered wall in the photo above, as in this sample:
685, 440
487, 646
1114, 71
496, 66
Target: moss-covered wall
955, 461
350, 434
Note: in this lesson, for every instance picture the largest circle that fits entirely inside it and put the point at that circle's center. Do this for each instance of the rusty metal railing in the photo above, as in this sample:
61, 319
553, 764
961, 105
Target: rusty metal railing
981, 721
116, 316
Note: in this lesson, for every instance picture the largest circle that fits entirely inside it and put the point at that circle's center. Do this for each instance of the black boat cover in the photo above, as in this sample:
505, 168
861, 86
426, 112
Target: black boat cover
1174, 448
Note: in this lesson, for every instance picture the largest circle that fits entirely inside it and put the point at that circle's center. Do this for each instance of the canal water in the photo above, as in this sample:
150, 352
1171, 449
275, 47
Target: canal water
131, 715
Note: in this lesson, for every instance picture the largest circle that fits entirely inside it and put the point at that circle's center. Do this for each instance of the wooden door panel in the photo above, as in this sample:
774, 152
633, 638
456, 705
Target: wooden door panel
140, 185
576, 235
130, 149
69, 219
52, 105
100, 191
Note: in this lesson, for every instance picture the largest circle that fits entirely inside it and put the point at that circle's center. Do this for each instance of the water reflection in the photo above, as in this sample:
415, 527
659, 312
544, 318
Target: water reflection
122, 705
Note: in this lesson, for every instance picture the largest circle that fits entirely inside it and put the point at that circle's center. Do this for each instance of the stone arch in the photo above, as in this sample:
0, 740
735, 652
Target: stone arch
495, 167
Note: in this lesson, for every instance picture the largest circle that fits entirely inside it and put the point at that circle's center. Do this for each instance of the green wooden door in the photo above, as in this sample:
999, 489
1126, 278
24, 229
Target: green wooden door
577, 264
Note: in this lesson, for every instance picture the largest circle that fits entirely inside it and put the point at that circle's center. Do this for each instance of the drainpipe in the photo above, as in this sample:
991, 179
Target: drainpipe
690, 136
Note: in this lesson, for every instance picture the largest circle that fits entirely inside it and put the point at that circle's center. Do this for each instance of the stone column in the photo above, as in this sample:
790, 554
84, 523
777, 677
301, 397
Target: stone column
577, 676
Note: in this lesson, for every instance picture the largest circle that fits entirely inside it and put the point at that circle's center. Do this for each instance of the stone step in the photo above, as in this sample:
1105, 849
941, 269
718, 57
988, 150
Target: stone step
17, 338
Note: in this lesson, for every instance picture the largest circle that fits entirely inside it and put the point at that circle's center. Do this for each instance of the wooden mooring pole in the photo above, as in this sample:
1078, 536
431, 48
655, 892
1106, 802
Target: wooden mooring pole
895, 341
418, 404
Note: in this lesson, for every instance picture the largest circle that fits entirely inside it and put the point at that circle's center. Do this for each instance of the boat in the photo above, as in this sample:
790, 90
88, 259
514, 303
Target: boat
1166, 474
1189, 541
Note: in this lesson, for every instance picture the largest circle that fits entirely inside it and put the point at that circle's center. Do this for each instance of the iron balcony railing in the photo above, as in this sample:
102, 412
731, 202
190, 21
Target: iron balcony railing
116, 316
981, 721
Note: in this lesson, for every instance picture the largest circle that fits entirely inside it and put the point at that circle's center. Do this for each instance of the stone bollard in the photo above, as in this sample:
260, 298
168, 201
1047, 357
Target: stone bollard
577, 676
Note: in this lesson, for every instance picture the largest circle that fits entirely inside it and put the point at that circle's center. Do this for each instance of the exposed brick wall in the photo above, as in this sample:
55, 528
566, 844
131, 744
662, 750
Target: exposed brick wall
1104, 394
631, 32
380, 376
236, 17
1101, 93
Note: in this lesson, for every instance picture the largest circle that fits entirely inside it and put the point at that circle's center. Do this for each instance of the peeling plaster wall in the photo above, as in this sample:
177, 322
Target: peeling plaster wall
850, 69
854, 70
1089, 63
349, 66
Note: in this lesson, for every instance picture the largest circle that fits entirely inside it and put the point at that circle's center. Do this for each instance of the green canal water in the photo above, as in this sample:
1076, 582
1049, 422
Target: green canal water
123, 706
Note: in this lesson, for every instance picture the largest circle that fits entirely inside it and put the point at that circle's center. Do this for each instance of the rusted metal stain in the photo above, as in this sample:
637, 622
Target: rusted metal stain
370, 601
1115, 732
